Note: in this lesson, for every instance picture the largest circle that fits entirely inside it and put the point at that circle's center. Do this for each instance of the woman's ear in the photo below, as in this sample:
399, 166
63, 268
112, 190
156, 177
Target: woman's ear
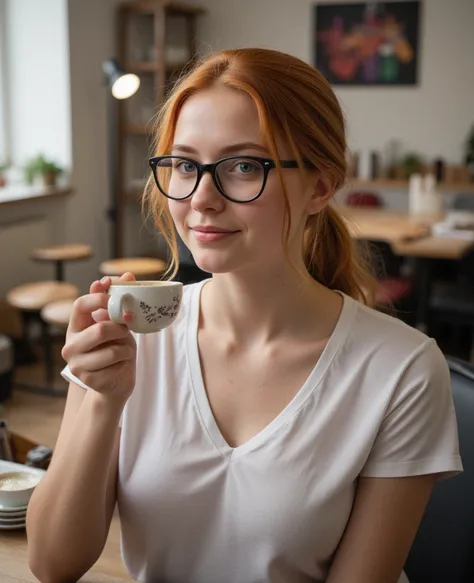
321, 194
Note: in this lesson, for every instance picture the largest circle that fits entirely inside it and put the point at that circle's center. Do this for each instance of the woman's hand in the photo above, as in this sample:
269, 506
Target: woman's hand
99, 352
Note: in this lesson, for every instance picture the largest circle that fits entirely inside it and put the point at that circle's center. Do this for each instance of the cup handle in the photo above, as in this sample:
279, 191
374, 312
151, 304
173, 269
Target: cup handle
115, 308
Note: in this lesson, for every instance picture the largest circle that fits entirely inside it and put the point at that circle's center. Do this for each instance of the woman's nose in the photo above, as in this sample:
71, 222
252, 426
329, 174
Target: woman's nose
207, 196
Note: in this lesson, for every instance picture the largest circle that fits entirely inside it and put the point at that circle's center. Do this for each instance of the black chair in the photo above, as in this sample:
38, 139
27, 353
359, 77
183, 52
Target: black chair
452, 304
188, 271
443, 551
463, 202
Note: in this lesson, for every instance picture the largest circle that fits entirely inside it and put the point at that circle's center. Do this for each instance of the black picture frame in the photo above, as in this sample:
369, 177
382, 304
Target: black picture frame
368, 43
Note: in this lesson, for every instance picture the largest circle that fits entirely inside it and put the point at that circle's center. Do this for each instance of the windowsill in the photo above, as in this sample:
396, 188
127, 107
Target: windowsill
19, 193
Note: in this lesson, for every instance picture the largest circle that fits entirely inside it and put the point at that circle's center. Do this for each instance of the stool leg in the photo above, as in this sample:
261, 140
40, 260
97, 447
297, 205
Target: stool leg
48, 352
47, 342
59, 270
26, 352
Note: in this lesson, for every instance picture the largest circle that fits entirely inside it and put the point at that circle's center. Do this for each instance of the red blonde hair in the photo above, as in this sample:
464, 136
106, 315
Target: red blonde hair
296, 102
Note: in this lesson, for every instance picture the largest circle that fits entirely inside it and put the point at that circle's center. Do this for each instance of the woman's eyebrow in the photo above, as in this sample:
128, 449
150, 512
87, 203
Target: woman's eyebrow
225, 150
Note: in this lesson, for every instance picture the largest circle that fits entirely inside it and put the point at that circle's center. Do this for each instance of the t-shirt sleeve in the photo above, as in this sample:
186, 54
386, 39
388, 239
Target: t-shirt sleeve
70, 378
419, 432
67, 375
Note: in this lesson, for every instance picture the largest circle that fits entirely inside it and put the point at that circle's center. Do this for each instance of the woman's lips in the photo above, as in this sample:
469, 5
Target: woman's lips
211, 234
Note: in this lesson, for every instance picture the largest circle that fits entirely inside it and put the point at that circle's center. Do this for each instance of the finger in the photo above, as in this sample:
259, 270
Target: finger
102, 358
94, 336
95, 287
81, 316
104, 377
128, 276
101, 315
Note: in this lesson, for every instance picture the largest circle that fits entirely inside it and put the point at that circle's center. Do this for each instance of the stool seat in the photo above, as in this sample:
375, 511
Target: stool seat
139, 266
72, 252
35, 296
58, 313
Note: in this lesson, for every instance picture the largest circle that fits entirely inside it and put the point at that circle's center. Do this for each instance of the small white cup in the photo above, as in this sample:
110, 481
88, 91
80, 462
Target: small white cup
154, 304
16, 487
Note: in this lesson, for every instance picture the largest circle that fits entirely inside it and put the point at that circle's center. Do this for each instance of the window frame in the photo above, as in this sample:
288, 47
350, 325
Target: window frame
5, 152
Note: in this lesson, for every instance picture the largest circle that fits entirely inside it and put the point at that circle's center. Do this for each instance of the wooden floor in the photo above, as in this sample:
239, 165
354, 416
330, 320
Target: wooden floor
38, 417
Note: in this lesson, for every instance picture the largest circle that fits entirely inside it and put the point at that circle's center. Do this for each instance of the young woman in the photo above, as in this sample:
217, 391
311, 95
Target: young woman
280, 430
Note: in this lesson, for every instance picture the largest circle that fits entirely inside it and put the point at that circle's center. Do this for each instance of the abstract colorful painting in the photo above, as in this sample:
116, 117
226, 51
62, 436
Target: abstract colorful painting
370, 43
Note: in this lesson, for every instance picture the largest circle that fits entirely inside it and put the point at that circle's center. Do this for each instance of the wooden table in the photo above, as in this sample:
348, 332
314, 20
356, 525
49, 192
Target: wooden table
14, 548
14, 562
410, 237
426, 251
377, 224
407, 235
434, 248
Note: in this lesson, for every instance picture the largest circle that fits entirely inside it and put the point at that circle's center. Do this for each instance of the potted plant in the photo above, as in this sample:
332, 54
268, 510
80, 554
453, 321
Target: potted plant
41, 166
50, 171
32, 168
412, 164
469, 154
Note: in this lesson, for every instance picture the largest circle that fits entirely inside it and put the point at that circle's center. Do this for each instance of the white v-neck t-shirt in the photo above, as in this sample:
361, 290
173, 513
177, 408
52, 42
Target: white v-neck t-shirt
273, 510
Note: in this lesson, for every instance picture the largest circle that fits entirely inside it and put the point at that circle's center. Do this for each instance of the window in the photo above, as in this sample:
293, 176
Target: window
4, 150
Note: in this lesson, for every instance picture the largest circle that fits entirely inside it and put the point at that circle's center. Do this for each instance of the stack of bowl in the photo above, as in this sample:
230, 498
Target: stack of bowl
17, 483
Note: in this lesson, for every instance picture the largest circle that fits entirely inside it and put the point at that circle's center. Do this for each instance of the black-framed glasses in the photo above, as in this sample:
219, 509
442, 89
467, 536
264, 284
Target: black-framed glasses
238, 178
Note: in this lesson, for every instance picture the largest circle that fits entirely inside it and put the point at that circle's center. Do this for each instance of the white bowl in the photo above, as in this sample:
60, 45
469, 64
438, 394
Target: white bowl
17, 487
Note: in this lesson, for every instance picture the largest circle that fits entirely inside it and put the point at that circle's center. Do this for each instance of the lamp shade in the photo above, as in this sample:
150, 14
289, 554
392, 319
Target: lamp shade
122, 84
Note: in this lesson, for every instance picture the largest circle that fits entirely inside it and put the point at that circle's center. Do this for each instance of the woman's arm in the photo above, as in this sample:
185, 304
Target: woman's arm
69, 514
381, 529
70, 511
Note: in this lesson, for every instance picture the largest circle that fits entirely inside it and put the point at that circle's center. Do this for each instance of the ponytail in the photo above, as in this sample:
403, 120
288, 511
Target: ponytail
332, 258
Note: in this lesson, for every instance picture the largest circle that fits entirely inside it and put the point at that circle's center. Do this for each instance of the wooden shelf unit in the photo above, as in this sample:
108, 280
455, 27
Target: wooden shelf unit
146, 32
137, 129
150, 7
384, 183
141, 67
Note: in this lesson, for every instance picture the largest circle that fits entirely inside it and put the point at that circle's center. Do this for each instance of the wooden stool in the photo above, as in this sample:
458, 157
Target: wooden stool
141, 267
30, 299
58, 254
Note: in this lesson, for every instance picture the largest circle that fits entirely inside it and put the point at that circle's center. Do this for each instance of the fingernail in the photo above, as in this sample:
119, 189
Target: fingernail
105, 279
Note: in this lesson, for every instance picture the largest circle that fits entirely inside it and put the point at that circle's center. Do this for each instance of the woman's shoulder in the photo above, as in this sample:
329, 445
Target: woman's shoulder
395, 367
389, 339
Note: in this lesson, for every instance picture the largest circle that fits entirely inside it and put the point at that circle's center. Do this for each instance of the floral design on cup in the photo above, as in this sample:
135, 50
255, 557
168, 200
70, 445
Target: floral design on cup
153, 313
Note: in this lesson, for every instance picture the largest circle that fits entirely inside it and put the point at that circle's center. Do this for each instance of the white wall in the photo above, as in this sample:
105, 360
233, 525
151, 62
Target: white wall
91, 41
38, 79
92, 35
432, 118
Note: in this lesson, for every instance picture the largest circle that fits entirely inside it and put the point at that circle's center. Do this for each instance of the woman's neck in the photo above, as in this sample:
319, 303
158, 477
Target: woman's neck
261, 307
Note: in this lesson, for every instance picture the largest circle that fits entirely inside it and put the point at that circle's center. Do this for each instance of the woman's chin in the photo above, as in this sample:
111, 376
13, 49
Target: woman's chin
215, 265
